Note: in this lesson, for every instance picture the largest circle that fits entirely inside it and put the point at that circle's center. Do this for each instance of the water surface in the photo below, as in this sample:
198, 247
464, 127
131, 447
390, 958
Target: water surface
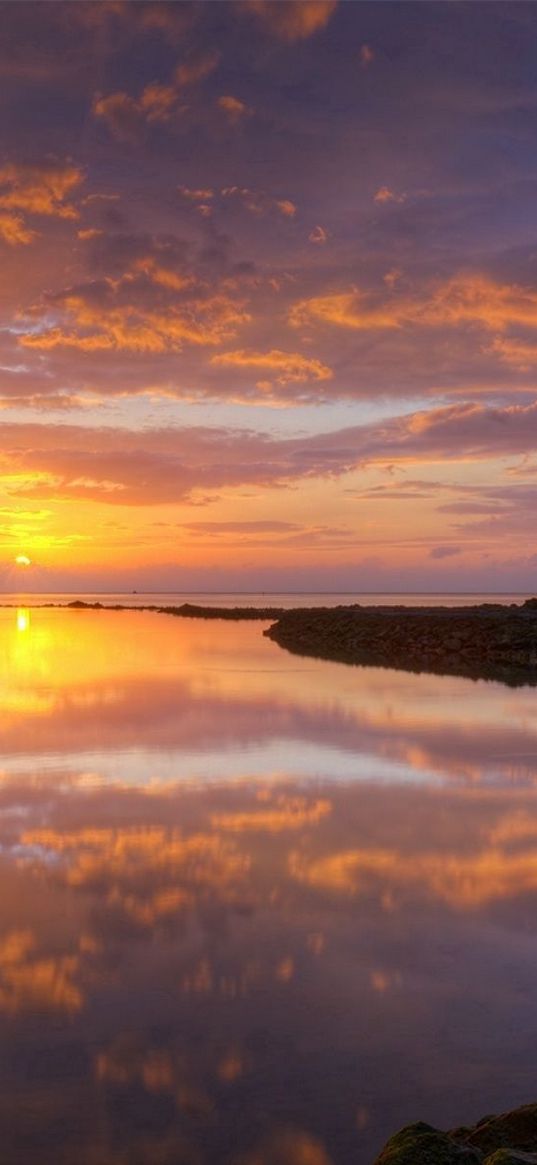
254, 908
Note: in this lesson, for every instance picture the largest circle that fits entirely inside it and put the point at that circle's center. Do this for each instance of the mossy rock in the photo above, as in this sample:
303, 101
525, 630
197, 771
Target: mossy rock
510, 1157
421, 1144
511, 1130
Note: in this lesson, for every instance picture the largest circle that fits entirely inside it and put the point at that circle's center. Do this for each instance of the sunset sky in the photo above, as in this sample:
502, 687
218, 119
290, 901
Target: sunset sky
268, 295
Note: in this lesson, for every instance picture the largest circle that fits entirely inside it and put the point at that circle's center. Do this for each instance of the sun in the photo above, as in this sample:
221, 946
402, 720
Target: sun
23, 560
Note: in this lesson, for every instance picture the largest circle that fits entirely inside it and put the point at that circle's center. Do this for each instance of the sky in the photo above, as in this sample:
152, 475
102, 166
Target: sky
268, 295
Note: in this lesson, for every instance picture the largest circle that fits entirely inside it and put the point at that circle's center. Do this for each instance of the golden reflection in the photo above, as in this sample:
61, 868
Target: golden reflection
30, 982
291, 813
23, 619
191, 689
462, 882
290, 1147
134, 853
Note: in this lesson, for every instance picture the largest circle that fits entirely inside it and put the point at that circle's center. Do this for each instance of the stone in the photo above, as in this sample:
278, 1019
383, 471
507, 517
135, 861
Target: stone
514, 1130
421, 1144
510, 1157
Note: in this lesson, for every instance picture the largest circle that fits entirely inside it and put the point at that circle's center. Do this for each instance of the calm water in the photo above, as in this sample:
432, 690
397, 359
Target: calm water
254, 909
267, 599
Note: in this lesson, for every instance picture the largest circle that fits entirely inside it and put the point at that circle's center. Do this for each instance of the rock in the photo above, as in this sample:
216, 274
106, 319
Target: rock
482, 642
514, 1130
510, 1157
421, 1144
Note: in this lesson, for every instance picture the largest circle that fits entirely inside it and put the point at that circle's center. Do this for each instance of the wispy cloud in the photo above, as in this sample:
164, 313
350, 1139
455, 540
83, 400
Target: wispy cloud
291, 21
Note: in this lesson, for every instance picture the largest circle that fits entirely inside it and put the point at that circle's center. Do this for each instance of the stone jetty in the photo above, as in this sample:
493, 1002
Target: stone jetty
489, 641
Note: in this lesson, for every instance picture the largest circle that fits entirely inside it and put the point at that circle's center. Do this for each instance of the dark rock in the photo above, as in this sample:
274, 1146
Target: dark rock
515, 1130
511, 1157
421, 1144
489, 641
508, 1139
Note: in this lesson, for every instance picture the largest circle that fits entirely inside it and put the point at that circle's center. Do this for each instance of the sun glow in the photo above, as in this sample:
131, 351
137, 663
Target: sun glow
23, 560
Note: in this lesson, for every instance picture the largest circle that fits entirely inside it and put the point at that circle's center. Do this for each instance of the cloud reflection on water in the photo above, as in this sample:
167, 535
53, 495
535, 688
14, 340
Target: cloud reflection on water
271, 971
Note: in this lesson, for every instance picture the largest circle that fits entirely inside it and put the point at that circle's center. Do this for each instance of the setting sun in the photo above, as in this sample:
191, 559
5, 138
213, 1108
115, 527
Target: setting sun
23, 560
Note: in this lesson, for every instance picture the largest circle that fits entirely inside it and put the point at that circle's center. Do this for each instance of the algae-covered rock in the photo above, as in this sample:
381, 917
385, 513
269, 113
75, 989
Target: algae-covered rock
421, 1144
513, 1130
510, 1157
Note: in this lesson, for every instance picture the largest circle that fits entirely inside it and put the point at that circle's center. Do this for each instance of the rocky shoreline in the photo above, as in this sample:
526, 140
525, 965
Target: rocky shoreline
489, 641
508, 1139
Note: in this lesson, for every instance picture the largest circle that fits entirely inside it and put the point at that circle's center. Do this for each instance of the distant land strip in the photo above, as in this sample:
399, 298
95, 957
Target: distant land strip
489, 641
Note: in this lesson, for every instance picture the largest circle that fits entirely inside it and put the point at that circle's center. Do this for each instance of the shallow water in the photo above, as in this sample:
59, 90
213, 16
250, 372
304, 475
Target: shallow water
254, 908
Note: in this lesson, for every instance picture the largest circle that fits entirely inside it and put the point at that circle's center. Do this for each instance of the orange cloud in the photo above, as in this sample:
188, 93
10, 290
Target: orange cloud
41, 190
124, 115
133, 328
202, 195
286, 207
157, 103
384, 194
234, 109
88, 234
517, 353
258, 202
472, 299
290, 20
196, 70
290, 367
13, 231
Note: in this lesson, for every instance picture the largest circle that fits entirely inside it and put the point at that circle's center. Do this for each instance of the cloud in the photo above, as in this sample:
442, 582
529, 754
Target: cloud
384, 194
196, 69
291, 21
318, 235
440, 552
519, 354
464, 299
203, 322
13, 231
40, 190
129, 468
200, 195
258, 201
288, 367
125, 115
233, 108
286, 207
156, 305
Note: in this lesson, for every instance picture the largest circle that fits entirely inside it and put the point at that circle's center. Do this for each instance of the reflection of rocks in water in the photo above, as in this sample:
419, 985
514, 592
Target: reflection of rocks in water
508, 1139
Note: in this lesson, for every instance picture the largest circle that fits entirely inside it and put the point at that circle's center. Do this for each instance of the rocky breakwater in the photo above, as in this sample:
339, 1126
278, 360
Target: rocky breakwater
489, 641
508, 1139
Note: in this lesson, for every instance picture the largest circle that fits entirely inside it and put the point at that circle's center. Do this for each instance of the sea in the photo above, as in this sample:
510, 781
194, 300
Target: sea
255, 909
266, 599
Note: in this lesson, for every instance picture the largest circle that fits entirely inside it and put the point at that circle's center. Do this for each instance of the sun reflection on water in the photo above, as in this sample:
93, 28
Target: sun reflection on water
23, 619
